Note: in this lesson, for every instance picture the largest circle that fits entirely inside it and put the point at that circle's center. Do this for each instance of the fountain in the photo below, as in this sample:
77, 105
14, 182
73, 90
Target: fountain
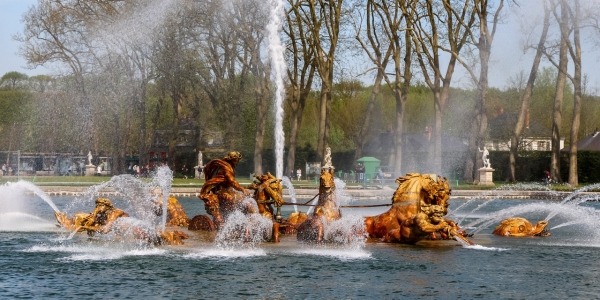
344, 264
238, 248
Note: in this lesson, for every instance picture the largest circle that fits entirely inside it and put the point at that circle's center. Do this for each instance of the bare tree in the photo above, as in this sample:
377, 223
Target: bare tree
482, 38
323, 20
563, 61
386, 40
575, 52
58, 32
437, 30
251, 18
526, 96
301, 72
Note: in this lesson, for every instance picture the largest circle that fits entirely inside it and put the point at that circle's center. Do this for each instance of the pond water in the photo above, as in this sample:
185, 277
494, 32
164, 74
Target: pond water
40, 261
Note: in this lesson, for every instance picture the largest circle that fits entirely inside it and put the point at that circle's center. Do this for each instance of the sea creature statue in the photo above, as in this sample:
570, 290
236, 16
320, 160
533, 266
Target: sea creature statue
419, 206
520, 227
268, 191
326, 210
100, 220
220, 191
103, 220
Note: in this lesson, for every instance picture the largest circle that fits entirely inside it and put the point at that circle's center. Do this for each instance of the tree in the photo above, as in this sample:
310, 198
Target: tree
383, 42
435, 31
323, 19
59, 32
563, 62
482, 39
526, 96
301, 73
13, 79
575, 52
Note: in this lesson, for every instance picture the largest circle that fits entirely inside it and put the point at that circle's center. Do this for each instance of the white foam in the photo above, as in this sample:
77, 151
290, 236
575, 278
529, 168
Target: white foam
225, 253
339, 253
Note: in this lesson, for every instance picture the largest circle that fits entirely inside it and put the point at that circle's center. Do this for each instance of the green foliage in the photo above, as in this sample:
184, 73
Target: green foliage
13, 80
14, 106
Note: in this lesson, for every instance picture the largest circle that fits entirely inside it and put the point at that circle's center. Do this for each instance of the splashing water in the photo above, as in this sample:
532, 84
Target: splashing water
494, 194
18, 212
140, 27
577, 197
243, 231
348, 230
164, 180
341, 195
13, 189
276, 51
140, 199
291, 190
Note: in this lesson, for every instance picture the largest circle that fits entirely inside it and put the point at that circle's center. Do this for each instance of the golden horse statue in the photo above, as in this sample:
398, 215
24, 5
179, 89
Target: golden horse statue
268, 191
419, 206
326, 210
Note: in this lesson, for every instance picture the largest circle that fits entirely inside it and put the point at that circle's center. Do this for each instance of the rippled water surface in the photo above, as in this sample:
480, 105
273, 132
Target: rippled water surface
42, 263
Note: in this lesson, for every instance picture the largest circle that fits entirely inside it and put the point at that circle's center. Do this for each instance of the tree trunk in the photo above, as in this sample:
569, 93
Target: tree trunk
559, 96
526, 98
573, 178
261, 124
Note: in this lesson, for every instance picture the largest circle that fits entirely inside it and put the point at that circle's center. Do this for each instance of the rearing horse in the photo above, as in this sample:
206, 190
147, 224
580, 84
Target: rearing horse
419, 206
325, 211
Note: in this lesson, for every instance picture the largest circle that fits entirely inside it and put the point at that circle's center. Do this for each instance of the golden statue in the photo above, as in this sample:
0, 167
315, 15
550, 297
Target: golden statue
419, 206
219, 190
100, 220
176, 215
520, 227
104, 216
268, 191
326, 210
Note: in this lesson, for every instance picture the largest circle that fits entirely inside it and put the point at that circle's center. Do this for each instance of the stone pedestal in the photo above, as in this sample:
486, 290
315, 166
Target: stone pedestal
90, 170
486, 176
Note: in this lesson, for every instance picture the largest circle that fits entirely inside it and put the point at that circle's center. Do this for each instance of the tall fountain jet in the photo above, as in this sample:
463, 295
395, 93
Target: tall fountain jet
278, 71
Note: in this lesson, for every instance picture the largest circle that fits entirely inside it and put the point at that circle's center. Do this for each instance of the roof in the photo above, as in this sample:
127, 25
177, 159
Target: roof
590, 142
367, 158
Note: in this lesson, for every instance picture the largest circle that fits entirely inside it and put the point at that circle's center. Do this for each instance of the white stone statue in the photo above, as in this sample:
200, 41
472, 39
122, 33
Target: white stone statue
198, 169
200, 164
89, 158
485, 156
328, 164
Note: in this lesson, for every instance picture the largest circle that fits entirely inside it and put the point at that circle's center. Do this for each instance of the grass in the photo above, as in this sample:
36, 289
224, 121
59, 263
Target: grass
192, 182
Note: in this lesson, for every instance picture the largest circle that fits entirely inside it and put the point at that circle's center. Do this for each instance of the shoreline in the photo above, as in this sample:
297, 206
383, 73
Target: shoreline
382, 193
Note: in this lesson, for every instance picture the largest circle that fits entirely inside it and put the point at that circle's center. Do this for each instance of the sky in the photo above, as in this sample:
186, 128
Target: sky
11, 12
507, 60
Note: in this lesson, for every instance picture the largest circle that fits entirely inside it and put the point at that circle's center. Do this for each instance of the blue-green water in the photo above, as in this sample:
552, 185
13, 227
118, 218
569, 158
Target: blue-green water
40, 262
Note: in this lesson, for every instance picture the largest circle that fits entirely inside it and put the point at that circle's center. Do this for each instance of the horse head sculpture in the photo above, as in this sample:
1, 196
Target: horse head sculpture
419, 205
326, 210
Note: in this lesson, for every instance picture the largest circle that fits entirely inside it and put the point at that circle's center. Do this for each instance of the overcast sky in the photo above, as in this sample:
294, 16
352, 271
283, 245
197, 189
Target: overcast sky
507, 54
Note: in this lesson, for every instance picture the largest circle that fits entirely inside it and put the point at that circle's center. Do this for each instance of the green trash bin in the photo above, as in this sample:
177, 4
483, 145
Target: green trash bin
371, 165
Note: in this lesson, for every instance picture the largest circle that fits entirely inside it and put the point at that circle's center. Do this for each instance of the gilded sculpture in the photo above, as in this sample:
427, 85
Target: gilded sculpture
268, 191
221, 192
103, 218
521, 227
326, 210
419, 206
